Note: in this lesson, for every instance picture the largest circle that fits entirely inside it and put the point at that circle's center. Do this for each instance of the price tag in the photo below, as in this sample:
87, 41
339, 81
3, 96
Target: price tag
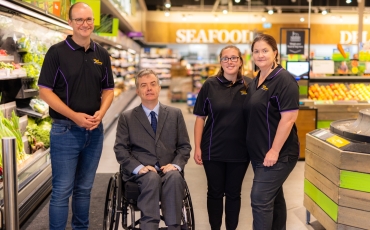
321, 133
337, 141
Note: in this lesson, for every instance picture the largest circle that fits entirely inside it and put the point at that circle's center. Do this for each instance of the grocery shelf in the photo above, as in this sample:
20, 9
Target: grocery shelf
30, 112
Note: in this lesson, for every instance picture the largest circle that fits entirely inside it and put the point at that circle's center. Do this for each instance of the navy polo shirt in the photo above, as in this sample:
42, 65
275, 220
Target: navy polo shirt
77, 76
262, 107
223, 137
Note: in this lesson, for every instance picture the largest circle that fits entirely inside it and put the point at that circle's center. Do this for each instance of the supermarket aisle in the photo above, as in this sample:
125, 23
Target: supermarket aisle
196, 180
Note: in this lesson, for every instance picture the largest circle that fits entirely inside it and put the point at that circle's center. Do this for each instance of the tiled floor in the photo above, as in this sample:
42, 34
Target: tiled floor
196, 180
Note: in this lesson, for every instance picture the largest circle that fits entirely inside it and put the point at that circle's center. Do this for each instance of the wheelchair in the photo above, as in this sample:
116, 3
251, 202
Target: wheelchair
121, 200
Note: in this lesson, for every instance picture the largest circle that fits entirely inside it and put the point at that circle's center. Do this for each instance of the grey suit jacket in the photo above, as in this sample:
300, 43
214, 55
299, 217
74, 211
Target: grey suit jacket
136, 143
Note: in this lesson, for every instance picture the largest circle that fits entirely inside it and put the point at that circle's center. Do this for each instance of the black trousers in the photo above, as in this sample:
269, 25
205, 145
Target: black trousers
267, 196
224, 179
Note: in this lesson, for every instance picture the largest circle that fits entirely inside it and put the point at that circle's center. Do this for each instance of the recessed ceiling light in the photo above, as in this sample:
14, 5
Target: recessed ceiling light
237, 1
270, 12
324, 12
263, 19
167, 5
348, 1
301, 19
166, 13
224, 12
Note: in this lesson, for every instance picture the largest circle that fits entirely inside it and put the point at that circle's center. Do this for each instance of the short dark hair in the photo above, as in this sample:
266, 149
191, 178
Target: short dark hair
270, 40
142, 73
71, 8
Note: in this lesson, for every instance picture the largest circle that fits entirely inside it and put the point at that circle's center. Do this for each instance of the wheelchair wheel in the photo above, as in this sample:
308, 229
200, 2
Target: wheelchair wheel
112, 204
187, 212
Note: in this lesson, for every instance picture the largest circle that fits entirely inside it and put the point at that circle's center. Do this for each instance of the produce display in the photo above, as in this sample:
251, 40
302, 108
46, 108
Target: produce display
340, 91
10, 128
37, 132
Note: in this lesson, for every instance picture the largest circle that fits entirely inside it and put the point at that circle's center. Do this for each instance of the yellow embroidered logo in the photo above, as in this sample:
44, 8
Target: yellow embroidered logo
96, 61
264, 88
243, 92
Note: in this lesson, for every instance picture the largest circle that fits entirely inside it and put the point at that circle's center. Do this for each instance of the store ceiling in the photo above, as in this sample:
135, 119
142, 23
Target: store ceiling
279, 6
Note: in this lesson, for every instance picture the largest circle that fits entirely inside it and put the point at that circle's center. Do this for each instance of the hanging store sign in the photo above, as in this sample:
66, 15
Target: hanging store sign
214, 36
295, 42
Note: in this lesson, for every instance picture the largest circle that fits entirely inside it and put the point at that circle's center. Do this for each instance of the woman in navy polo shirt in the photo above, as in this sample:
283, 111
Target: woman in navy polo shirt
270, 109
220, 139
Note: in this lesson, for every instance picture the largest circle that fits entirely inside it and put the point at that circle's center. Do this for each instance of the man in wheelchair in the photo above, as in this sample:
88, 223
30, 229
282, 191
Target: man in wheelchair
152, 145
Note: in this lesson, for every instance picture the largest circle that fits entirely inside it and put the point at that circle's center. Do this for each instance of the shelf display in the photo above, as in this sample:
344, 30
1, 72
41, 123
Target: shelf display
160, 61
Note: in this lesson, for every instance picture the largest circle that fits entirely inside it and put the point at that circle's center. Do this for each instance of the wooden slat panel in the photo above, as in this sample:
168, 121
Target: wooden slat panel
322, 183
354, 217
354, 199
319, 214
358, 162
324, 150
323, 167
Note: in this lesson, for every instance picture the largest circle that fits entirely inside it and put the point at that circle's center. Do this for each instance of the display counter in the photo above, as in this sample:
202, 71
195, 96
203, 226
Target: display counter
337, 175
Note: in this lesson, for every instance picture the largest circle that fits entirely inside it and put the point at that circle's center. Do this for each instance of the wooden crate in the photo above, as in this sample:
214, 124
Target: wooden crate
337, 186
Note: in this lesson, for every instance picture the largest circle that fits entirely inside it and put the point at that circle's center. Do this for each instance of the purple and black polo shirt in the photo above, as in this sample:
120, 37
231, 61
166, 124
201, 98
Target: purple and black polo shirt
277, 94
75, 76
224, 133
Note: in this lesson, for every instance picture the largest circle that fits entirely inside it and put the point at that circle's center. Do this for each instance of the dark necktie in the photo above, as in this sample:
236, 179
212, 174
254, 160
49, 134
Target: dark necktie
153, 121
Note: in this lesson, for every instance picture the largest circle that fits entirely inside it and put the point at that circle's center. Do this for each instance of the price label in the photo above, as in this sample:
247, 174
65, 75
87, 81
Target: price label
337, 141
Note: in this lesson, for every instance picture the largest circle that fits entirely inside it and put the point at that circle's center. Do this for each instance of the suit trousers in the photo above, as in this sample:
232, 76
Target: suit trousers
267, 196
166, 189
224, 179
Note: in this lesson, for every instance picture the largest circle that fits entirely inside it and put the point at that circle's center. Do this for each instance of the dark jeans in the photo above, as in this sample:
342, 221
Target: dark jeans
75, 153
224, 179
267, 197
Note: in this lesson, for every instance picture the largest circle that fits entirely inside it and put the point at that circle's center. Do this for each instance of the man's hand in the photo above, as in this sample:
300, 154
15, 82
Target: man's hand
146, 169
96, 119
83, 120
168, 168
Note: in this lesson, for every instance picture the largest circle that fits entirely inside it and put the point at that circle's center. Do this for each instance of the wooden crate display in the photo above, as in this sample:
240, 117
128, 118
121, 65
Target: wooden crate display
337, 186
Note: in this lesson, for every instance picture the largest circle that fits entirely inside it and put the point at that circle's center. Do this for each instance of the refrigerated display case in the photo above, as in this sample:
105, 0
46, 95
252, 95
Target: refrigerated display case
20, 34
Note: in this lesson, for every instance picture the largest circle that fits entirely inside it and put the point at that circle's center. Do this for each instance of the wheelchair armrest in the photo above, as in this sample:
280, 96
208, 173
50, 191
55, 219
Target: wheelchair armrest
132, 191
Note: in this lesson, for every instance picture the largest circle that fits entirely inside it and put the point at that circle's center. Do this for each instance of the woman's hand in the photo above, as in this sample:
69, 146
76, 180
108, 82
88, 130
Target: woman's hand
198, 156
271, 158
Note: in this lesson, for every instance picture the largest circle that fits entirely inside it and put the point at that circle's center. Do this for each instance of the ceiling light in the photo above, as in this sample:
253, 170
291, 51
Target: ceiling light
348, 1
324, 12
224, 12
237, 1
166, 13
270, 12
167, 4
263, 19
301, 19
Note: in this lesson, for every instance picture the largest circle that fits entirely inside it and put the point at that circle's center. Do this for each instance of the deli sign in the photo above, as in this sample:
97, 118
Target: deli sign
214, 36
351, 37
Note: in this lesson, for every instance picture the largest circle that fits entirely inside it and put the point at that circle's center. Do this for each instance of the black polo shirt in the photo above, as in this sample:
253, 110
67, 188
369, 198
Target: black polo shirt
262, 107
223, 137
75, 76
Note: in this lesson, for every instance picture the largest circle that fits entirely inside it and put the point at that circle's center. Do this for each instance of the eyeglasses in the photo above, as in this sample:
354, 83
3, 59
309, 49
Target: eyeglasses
226, 59
80, 21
